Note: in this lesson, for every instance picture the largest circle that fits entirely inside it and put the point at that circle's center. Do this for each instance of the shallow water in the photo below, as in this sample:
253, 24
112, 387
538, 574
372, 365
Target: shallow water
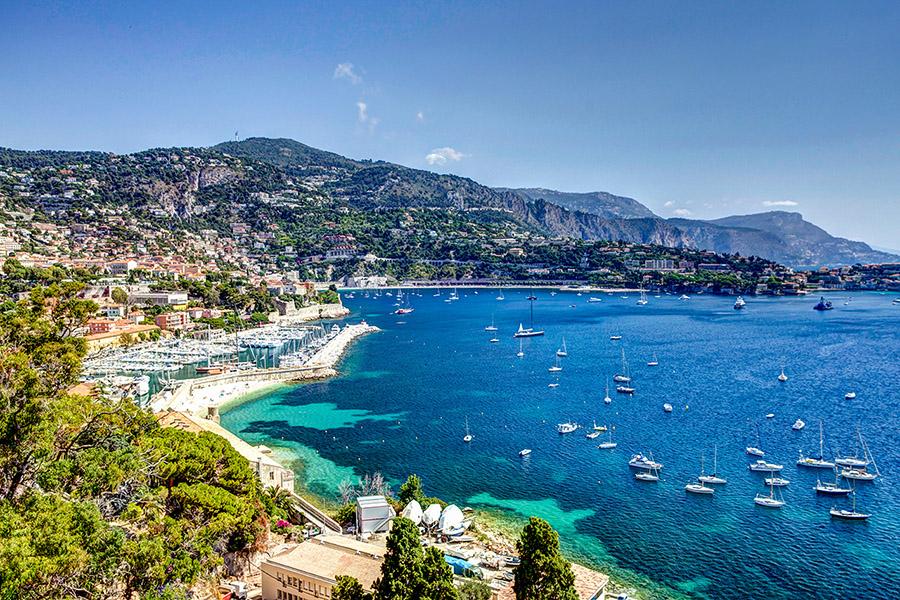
401, 404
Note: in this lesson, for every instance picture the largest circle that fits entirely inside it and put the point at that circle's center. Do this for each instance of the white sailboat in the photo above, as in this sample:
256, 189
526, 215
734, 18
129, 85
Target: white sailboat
798, 425
765, 467
770, 501
623, 377
714, 477
530, 331
816, 463
782, 377
562, 352
555, 368
491, 327
567, 427
468, 437
606, 398
500, 296
610, 444
698, 487
643, 299
521, 352
850, 515
831, 489
654, 362
754, 450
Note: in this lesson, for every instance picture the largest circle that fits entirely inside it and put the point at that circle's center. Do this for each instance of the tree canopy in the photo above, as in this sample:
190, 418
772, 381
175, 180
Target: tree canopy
543, 573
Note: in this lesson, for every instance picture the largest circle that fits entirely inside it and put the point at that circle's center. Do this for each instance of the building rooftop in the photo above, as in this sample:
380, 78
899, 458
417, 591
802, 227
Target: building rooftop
326, 557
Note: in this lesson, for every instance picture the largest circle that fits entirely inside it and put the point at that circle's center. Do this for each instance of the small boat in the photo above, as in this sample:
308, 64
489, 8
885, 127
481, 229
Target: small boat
777, 481
754, 451
739, 303
798, 425
769, 501
553, 385
643, 299
684, 297
593, 299
529, 332
648, 475
562, 352
525, 452
667, 407
851, 462
624, 389
555, 368
567, 427
500, 296
850, 396
770, 416
606, 398
698, 488
593, 435
615, 338
521, 352
858, 475
816, 463
494, 340
782, 377
491, 327
766, 467
828, 488
639, 461
468, 437
624, 376
714, 477
823, 304
850, 515
654, 362
600, 428
608, 445
531, 296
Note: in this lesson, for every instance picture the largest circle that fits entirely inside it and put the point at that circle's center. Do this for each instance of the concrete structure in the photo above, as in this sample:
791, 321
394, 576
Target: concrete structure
373, 514
309, 571
159, 298
173, 320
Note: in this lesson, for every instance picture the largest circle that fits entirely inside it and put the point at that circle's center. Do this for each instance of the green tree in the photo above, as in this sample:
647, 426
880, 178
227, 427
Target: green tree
543, 573
411, 490
437, 577
401, 570
474, 590
349, 588
119, 296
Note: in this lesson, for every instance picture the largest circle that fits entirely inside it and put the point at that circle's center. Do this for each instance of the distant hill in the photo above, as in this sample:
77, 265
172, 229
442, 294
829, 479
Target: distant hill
602, 204
208, 187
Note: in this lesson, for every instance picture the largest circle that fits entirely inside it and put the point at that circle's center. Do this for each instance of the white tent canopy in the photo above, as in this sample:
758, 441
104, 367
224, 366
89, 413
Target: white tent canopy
432, 514
451, 518
413, 512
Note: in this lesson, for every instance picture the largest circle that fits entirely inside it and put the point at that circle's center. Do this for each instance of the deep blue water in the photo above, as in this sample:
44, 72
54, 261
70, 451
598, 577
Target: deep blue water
401, 404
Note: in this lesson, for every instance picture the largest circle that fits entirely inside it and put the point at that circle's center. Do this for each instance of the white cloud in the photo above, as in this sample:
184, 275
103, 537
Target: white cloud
346, 71
363, 116
681, 212
420, 117
440, 156
780, 203
668, 203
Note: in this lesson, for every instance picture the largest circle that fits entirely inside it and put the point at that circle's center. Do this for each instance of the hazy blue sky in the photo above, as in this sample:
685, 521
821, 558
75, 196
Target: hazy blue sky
699, 109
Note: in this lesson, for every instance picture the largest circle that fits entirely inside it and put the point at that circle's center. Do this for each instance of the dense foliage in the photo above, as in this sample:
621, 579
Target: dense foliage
96, 500
543, 573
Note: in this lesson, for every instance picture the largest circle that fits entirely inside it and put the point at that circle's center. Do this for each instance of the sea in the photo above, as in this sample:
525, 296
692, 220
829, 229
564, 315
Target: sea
405, 396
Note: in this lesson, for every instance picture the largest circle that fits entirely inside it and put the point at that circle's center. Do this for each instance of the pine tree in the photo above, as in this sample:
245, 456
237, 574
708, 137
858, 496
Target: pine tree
401, 570
543, 573
349, 588
411, 490
437, 577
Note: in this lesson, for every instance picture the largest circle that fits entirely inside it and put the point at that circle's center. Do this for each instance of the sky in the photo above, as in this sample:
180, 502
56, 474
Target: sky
698, 109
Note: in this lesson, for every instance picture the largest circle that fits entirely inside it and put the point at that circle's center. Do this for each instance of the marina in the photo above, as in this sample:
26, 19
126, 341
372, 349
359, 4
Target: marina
355, 429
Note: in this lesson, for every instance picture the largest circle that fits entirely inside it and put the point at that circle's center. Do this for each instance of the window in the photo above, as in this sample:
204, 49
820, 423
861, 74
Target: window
271, 474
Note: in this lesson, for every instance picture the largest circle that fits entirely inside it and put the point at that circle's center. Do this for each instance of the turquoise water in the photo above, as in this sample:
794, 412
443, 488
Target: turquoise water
401, 404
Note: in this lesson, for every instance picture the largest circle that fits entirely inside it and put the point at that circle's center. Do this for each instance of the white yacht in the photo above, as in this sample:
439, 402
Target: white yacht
667, 407
530, 331
754, 451
851, 462
648, 475
624, 389
491, 327
777, 481
593, 299
858, 475
562, 352
567, 427
798, 425
850, 396
494, 340
500, 296
739, 303
714, 477
555, 368
593, 435
521, 352
828, 488
615, 338
606, 398
684, 297
782, 377
654, 362
643, 299
639, 461
525, 452
767, 467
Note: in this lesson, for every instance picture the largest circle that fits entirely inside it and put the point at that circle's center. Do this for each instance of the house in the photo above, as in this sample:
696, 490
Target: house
173, 320
309, 571
100, 326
